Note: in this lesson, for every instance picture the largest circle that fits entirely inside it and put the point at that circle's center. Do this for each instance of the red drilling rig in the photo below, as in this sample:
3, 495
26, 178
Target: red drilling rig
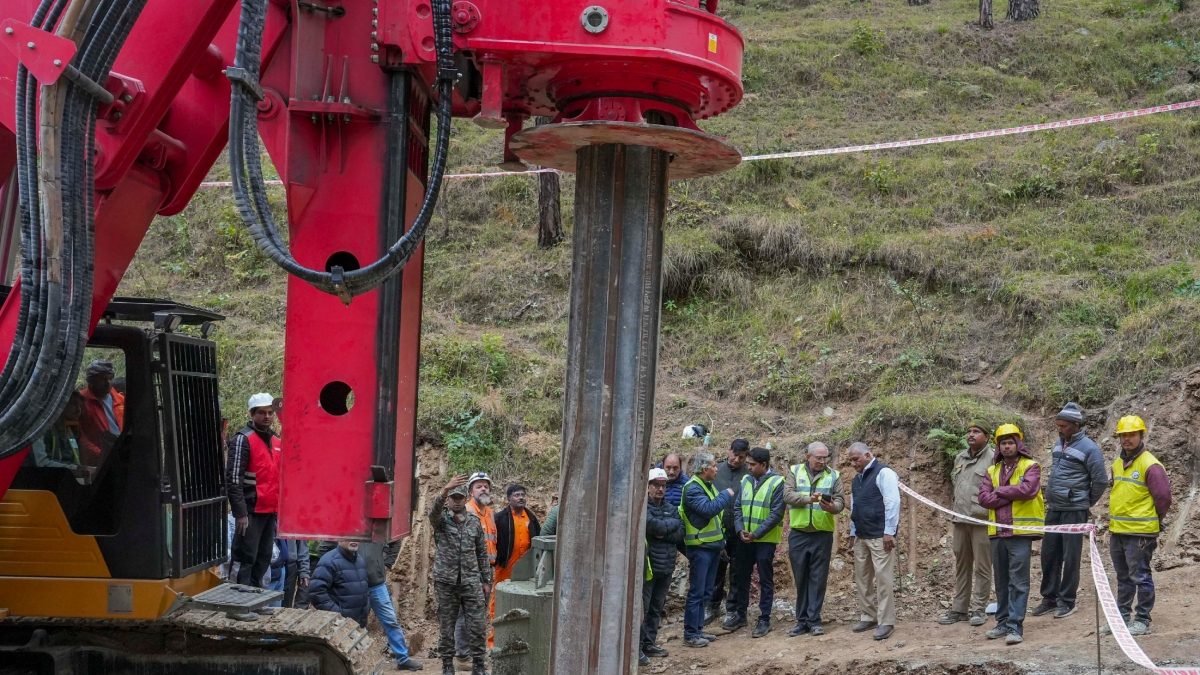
114, 111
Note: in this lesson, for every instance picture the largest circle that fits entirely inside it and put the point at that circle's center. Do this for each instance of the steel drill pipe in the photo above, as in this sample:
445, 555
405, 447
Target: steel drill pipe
616, 301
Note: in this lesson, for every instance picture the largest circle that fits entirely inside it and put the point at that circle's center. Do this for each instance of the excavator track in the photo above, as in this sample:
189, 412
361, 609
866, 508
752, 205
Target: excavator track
191, 640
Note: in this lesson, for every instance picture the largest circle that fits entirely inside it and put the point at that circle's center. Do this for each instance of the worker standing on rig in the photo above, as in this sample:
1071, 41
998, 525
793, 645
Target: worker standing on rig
252, 477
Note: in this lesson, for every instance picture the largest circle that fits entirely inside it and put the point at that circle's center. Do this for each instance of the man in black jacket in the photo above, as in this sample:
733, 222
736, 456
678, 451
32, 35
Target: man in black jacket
664, 533
516, 526
339, 583
730, 472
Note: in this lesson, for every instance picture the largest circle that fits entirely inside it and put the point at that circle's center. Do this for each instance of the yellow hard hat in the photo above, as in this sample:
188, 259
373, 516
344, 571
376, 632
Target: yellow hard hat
1008, 430
1129, 424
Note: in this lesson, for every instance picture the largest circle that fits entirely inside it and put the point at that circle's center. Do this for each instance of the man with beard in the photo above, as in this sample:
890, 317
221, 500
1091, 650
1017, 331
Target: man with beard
462, 576
252, 480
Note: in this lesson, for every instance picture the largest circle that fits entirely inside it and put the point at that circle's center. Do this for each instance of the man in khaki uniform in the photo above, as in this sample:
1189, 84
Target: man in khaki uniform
972, 552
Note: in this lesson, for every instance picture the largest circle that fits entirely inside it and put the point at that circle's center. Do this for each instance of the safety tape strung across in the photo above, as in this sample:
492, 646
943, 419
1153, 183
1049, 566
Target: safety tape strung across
1108, 603
847, 149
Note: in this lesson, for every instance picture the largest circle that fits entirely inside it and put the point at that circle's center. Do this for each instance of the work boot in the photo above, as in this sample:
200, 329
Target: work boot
1139, 627
799, 629
816, 630
409, 664
883, 632
862, 626
709, 636
643, 660
447, 666
1044, 607
952, 617
1013, 639
761, 628
709, 616
978, 618
1064, 612
479, 666
655, 651
695, 641
734, 621
995, 633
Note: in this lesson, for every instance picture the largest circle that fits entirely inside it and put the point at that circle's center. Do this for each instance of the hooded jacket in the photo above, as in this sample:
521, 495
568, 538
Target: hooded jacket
664, 535
1078, 474
1000, 498
339, 584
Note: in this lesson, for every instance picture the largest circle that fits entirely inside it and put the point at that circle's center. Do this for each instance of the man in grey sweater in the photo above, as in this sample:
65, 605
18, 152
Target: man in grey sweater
1078, 478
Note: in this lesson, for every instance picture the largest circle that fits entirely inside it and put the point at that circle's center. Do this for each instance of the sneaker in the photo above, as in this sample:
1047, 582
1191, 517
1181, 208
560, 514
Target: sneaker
862, 626
655, 651
761, 628
409, 664
1044, 607
1013, 639
643, 660
952, 617
997, 632
883, 632
709, 636
1064, 612
978, 618
709, 616
1139, 627
734, 621
798, 629
696, 641
816, 630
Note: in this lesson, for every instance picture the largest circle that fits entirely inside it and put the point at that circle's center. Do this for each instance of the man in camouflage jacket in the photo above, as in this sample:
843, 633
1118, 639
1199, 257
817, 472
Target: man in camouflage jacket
462, 577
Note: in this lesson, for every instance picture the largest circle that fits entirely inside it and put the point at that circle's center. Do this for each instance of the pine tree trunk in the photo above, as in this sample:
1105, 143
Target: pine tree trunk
985, 14
1022, 10
550, 230
918, 2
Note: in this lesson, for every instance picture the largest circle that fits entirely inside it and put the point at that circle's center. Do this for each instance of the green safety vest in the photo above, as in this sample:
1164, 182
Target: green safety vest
810, 515
712, 531
756, 507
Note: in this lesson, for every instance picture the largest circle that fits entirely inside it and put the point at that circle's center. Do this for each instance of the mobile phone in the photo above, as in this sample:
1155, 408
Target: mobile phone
826, 498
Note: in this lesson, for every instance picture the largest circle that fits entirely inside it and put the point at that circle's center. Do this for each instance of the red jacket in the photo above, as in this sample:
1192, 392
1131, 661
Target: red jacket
252, 474
95, 436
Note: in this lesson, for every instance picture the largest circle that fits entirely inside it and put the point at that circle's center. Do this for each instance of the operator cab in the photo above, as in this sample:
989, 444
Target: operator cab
135, 459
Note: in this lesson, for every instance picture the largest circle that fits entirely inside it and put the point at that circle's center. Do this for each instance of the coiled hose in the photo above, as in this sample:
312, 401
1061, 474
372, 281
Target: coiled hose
249, 188
55, 180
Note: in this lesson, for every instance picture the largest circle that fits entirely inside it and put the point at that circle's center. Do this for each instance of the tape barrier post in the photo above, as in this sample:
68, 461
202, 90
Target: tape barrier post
1108, 603
847, 149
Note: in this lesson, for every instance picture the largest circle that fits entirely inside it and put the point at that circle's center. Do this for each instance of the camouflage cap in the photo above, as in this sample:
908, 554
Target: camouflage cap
461, 491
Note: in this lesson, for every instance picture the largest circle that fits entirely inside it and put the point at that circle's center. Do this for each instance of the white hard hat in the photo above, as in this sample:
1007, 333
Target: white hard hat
478, 476
657, 474
261, 400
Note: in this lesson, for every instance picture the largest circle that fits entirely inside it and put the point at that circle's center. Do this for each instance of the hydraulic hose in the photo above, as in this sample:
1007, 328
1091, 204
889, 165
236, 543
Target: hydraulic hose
55, 178
246, 166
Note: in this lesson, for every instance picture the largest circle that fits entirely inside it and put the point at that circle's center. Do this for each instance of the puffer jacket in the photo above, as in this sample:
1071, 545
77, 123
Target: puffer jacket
664, 534
965, 477
1078, 475
340, 585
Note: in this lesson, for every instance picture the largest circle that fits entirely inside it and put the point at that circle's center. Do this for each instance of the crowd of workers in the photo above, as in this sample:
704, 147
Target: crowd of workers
728, 518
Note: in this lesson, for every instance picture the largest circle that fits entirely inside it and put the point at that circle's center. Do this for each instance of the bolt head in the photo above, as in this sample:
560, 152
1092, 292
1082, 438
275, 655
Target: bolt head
374, 58
31, 44
58, 63
8, 30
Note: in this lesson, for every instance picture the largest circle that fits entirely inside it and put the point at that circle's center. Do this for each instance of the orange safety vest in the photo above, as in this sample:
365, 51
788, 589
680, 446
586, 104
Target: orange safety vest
488, 518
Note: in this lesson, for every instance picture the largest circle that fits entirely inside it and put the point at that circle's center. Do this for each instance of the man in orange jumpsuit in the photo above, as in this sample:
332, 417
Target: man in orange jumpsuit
103, 413
479, 485
516, 526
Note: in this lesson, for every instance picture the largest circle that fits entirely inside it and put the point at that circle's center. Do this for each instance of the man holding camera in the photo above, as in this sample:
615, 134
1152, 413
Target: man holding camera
814, 492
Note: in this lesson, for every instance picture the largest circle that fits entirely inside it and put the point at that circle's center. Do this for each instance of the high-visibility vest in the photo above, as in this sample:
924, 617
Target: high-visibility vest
487, 518
1025, 511
712, 530
1130, 506
812, 515
756, 507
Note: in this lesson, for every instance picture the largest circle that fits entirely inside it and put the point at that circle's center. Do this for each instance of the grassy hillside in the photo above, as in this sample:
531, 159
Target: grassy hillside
921, 286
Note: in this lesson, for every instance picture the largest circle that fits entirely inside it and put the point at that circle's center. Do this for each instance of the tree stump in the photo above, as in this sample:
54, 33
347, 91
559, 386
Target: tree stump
1023, 10
985, 14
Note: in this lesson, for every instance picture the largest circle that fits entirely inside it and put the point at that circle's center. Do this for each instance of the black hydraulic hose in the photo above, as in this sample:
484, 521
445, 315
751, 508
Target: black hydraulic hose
246, 166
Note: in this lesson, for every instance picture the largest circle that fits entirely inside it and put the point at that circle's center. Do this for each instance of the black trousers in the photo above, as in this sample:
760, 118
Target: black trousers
654, 598
759, 555
252, 550
725, 569
1061, 554
294, 595
809, 553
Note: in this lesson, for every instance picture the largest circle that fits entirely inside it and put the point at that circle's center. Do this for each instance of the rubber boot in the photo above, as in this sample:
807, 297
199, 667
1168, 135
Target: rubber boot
479, 667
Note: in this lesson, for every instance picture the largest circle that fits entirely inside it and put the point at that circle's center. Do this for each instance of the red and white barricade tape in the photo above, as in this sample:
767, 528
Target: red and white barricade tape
1108, 604
847, 149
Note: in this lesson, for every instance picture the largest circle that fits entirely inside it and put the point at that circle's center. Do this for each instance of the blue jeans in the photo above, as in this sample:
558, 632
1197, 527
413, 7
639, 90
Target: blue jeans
381, 604
702, 577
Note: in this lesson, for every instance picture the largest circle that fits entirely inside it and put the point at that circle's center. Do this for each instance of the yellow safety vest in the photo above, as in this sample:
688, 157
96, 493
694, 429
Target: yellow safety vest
712, 531
811, 515
756, 507
1024, 512
1130, 506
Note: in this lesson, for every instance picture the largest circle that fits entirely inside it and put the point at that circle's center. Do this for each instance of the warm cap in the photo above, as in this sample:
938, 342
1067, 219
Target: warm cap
1071, 412
261, 400
478, 476
987, 431
461, 491
657, 474
100, 367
